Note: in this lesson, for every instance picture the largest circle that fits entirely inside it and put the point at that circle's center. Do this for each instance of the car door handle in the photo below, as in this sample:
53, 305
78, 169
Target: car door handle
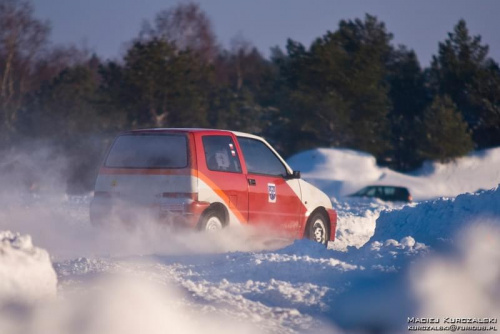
252, 182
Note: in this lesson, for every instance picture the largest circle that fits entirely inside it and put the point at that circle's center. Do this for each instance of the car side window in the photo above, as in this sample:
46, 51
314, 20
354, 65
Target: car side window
389, 191
220, 154
260, 159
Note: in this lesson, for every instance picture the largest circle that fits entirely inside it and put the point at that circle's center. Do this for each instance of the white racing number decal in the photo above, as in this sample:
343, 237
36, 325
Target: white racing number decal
271, 189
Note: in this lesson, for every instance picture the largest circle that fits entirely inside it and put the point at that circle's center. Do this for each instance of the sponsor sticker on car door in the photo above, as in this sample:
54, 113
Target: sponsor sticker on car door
271, 189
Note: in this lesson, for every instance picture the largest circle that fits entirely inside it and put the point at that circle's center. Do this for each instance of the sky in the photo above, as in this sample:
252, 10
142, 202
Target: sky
104, 26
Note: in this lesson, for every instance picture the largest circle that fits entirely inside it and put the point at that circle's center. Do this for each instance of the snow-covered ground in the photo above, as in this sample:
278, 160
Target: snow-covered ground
20, 263
439, 258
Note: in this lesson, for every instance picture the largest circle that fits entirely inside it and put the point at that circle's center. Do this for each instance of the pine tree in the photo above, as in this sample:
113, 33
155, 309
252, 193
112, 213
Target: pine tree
336, 91
63, 108
463, 71
159, 85
445, 133
409, 98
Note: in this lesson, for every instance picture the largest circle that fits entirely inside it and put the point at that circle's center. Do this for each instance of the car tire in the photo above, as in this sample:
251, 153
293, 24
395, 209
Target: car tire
211, 221
318, 228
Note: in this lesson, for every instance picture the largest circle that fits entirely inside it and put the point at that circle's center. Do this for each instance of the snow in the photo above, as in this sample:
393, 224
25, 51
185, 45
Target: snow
336, 171
437, 221
391, 261
466, 282
358, 220
26, 273
339, 172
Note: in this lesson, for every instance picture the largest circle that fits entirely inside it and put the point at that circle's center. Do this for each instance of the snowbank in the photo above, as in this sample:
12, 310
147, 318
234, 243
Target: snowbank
26, 273
339, 172
436, 259
434, 221
462, 282
357, 221
336, 171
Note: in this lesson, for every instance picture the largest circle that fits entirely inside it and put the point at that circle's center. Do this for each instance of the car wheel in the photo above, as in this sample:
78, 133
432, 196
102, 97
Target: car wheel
211, 221
318, 229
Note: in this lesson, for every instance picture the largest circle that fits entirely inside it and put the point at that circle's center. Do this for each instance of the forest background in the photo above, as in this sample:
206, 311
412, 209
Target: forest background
351, 88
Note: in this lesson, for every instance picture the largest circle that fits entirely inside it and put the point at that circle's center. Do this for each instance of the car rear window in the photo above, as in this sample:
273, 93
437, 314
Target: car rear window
149, 151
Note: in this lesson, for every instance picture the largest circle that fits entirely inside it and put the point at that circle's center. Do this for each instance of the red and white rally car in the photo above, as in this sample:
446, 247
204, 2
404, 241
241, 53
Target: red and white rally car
209, 179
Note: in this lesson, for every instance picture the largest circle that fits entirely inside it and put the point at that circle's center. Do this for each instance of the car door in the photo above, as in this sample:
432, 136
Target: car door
389, 194
221, 176
273, 200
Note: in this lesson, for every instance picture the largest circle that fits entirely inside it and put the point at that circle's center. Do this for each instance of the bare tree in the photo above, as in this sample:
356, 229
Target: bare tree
22, 39
241, 65
241, 48
55, 59
185, 25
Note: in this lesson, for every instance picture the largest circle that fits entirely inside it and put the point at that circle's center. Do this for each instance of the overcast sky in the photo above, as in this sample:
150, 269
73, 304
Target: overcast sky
104, 25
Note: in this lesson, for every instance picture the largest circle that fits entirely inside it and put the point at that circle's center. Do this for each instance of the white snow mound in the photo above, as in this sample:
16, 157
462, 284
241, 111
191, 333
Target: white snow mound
26, 272
339, 172
337, 164
336, 171
434, 221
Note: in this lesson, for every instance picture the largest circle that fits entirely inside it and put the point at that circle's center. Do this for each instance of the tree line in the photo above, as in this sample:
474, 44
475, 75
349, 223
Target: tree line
352, 87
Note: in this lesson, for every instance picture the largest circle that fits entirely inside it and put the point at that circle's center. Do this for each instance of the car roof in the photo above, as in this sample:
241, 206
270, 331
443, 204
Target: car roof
385, 186
197, 130
210, 131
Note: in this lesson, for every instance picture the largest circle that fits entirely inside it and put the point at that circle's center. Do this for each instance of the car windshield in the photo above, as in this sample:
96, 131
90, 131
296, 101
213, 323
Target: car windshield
149, 151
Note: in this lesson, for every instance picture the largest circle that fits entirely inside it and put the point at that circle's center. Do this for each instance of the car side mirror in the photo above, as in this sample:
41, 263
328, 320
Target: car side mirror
294, 175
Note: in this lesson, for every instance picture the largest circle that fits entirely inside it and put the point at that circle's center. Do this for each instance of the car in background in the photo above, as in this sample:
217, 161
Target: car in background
207, 180
385, 193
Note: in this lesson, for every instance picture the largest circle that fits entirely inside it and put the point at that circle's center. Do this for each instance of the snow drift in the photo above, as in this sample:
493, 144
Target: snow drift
339, 172
436, 259
434, 221
26, 273
464, 282
357, 220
